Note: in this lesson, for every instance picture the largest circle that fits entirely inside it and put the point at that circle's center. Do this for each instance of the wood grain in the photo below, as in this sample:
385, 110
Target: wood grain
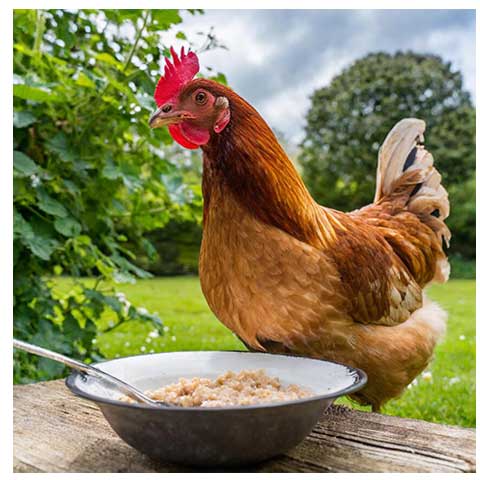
55, 431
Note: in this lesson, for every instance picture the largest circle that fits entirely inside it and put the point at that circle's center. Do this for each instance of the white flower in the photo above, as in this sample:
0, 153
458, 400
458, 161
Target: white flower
427, 376
127, 344
151, 351
142, 348
121, 296
148, 340
461, 337
174, 338
35, 180
166, 329
413, 384
453, 380
94, 341
154, 334
142, 311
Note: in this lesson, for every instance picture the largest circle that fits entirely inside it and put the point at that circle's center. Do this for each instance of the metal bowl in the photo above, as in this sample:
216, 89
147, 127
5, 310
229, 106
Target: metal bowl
217, 436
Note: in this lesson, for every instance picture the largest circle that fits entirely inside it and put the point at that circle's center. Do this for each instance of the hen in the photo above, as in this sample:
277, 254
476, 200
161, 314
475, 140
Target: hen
290, 276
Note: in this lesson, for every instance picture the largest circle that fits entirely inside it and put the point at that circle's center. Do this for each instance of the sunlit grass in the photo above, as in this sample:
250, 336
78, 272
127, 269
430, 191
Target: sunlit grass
447, 396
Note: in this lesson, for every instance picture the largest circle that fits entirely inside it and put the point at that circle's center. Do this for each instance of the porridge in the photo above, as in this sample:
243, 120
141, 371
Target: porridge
247, 387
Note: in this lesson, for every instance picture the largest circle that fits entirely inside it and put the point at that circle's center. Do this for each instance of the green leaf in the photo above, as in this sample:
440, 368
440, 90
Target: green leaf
146, 101
111, 100
107, 58
49, 336
42, 247
111, 171
24, 164
67, 226
35, 236
50, 205
122, 14
119, 85
220, 78
94, 295
57, 270
162, 19
71, 187
128, 267
23, 48
21, 228
149, 248
35, 94
50, 367
23, 118
113, 303
71, 328
85, 81
123, 277
60, 145
104, 268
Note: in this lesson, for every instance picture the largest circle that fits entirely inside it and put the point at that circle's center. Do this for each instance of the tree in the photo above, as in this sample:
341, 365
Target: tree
349, 119
90, 177
462, 218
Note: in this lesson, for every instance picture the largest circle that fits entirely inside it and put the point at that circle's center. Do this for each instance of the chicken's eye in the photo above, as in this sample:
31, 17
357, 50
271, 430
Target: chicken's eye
201, 98
166, 108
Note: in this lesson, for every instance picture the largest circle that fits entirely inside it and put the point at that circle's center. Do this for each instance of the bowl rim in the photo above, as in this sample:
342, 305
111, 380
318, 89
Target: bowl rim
360, 381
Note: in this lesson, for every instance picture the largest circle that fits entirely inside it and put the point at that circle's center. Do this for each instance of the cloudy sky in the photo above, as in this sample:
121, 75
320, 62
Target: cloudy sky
277, 58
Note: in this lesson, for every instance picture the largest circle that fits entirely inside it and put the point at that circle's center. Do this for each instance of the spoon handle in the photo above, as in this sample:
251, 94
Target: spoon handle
84, 368
43, 352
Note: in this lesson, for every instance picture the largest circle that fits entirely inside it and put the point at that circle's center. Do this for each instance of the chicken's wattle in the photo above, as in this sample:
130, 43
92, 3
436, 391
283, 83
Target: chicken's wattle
189, 136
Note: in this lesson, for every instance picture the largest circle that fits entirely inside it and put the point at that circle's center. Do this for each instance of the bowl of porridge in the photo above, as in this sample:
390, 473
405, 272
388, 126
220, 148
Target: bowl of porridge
224, 408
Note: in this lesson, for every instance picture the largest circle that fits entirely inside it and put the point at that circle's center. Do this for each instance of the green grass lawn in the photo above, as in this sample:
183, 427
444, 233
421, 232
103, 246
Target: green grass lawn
445, 395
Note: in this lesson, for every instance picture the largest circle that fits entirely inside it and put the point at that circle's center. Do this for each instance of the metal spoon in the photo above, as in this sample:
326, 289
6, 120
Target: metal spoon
90, 370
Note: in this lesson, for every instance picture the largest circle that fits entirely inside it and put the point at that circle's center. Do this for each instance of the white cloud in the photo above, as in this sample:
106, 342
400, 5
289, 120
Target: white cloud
286, 109
456, 45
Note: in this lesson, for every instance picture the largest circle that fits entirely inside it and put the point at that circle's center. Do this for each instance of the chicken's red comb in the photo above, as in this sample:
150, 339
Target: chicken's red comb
176, 75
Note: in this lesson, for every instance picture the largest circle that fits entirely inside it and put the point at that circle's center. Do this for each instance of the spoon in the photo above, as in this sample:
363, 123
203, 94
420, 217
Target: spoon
120, 385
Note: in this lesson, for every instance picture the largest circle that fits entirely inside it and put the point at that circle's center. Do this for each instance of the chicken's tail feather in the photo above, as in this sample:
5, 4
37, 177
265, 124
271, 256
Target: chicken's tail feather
406, 172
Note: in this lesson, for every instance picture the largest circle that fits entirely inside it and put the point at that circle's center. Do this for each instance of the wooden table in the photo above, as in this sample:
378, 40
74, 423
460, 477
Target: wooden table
55, 431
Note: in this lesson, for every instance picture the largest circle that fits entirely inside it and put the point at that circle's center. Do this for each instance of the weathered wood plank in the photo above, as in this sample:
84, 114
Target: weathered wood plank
57, 432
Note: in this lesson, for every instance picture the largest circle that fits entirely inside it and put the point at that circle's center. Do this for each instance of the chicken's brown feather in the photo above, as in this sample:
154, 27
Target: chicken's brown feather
373, 277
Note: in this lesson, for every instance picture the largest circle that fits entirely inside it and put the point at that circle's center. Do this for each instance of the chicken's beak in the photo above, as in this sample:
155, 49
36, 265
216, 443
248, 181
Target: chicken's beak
161, 118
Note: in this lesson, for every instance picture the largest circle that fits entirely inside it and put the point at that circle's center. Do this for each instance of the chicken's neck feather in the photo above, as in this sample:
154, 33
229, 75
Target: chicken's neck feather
247, 161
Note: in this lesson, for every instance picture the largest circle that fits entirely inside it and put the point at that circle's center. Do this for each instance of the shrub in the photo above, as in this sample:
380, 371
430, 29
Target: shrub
90, 177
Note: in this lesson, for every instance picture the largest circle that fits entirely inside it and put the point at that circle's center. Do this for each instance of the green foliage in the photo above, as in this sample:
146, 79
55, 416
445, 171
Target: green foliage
90, 177
177, 244
349, 119
461, 268
462, 218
